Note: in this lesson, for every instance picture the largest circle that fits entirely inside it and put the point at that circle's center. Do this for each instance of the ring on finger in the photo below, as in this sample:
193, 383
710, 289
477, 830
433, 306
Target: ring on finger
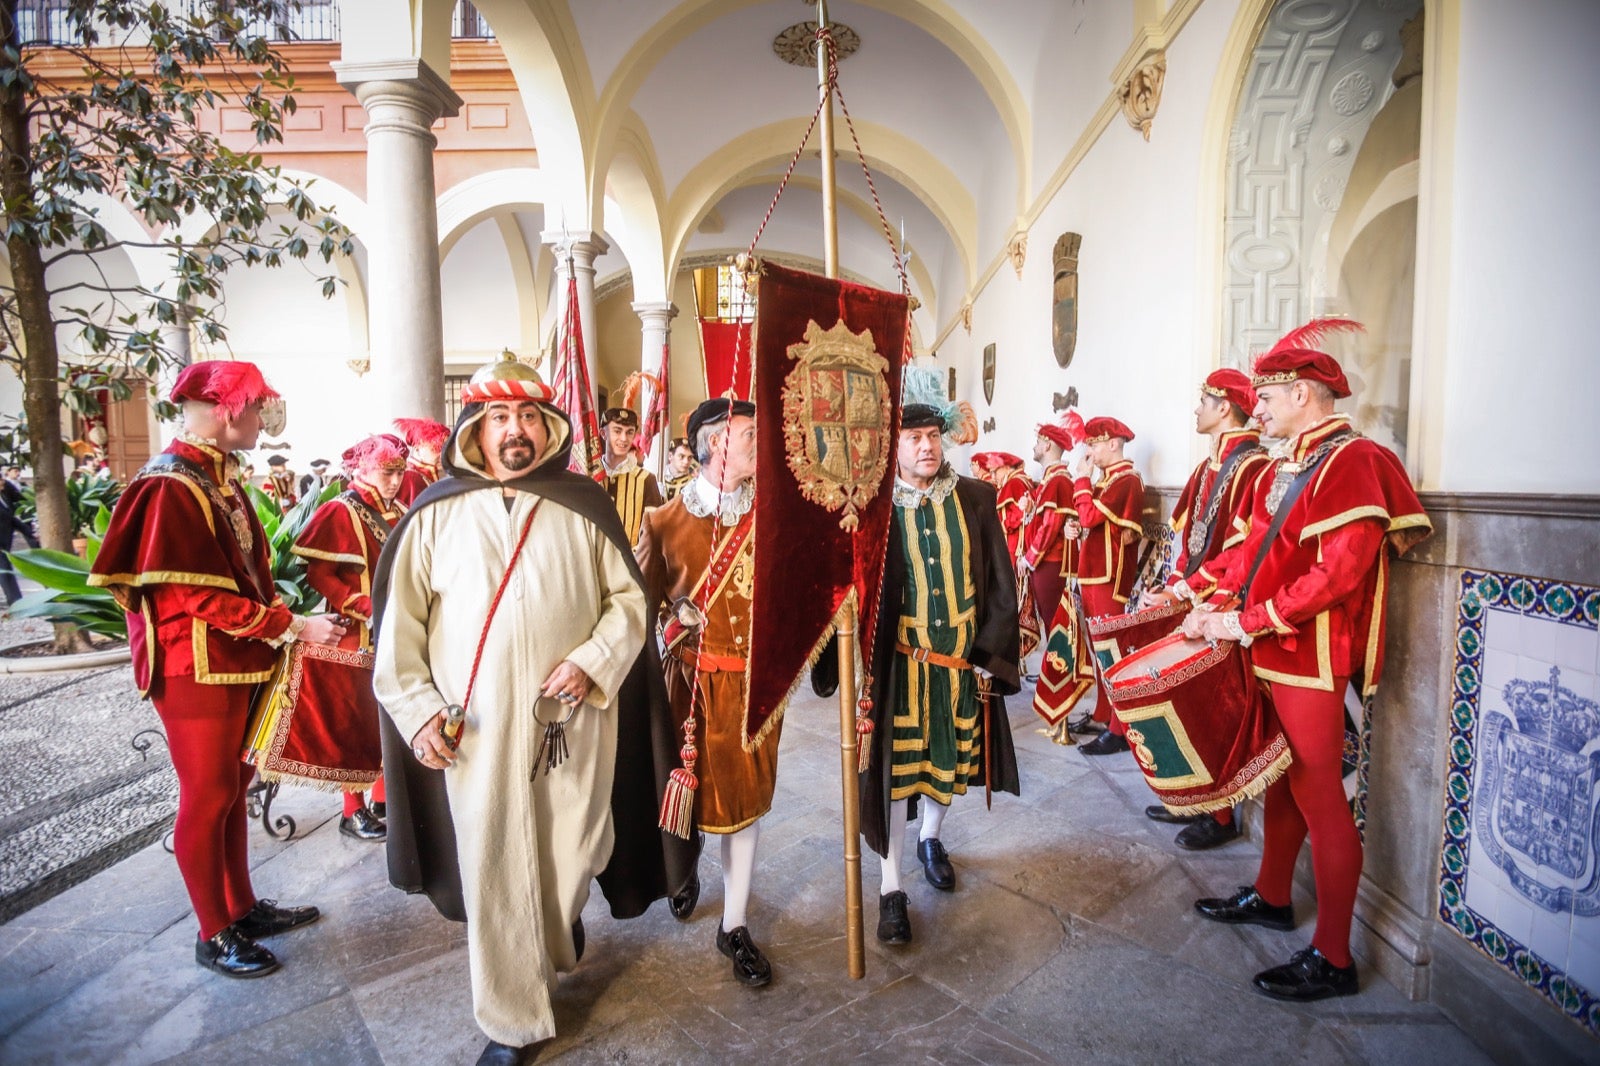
418, 752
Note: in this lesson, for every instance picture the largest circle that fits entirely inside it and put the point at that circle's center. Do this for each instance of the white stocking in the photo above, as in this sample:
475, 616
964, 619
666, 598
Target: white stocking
932, 818
897, 844
738, 868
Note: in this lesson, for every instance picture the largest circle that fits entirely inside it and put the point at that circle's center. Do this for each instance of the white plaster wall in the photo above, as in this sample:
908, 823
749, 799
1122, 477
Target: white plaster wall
1135, 204
481, 310
1525, 253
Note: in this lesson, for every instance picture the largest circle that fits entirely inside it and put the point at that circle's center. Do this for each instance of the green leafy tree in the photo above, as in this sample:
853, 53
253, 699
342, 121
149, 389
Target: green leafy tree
120, 99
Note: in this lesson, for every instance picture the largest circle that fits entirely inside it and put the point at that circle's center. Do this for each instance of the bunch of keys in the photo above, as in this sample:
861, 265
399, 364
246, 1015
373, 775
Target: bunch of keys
553, 745
455, 716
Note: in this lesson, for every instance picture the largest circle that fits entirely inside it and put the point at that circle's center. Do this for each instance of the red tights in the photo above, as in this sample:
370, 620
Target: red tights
353, 800
1310, 800
205, 727
1098, 600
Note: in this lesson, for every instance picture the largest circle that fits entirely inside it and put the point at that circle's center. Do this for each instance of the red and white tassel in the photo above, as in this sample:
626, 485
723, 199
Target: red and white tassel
677, 804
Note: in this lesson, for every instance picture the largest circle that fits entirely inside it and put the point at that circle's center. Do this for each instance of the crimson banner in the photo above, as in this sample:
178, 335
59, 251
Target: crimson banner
827, 394
720, 343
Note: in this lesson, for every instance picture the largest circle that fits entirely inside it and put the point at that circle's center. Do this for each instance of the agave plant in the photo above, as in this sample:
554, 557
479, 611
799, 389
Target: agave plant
68, 597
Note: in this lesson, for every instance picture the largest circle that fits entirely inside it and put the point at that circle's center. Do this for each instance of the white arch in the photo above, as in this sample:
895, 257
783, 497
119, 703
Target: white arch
469, 202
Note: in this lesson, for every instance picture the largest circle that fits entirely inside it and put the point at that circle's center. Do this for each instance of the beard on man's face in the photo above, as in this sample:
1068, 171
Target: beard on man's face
516, 453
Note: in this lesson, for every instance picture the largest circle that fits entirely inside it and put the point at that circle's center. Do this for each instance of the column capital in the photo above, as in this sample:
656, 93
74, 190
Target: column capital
408, 83
585, 246
657, 314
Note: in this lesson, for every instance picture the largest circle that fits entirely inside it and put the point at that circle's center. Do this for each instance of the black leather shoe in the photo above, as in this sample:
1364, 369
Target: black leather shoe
1085, 725
379, 809
684, 902
1206, 833
936, 865
266, 918
578, 938
894, 924
363, 825
1308, 976
1157, 812
498, 1054
233, 954
749, 965
1246, 907
1107, 743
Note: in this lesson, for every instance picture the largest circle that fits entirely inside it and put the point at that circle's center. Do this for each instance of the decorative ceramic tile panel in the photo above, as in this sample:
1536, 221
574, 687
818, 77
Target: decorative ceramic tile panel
1520, 870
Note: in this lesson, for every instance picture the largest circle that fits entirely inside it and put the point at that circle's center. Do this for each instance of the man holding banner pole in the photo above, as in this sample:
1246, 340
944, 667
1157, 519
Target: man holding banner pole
943, 654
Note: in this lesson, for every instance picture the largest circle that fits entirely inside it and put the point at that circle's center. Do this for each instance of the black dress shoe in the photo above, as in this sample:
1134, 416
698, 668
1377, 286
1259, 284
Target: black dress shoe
233, 954
578, 939
379, 809
1107, 743
1308, 976
749, 965
894, 924
1246, 907
1206, 833
1086, 725
684, 902
363, 825
498, 1054
1158, 812
266, 918
936, 865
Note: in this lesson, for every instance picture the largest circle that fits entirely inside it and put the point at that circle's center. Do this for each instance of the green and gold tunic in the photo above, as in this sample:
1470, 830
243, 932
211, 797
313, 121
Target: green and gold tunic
937, 738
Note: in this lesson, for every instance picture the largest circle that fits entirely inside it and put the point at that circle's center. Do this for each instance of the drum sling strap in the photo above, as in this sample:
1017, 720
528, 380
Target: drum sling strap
1290, 495
1219, 489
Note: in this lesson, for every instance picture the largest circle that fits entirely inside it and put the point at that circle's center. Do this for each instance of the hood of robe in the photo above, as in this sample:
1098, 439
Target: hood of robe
463, 456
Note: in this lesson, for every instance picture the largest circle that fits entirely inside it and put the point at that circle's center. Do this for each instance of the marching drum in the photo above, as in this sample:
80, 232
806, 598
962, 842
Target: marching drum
1198, 723
316, 721
1114, 636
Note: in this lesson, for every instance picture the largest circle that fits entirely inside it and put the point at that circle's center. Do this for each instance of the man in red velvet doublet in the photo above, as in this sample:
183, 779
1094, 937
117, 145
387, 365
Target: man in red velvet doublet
1204, 521
1108, 559
1310, 579
187, 559
1049, 541
340, 545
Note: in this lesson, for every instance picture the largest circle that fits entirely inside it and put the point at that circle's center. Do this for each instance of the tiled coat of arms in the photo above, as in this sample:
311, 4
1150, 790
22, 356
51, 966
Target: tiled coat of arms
1520, 864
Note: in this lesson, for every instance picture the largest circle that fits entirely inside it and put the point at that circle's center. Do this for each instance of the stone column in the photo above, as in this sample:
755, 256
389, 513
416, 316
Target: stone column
176, 339
656, 320
405, 318
580, 250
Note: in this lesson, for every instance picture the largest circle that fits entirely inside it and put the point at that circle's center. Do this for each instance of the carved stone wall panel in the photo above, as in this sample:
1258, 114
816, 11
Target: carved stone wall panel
1319, 73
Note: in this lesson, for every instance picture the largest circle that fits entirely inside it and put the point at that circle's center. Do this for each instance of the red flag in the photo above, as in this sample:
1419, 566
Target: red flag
719, 341
827, 384
574, 394
655, 419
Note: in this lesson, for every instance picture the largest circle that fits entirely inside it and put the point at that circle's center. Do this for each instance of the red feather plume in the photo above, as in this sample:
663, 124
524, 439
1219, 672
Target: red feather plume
1309, 336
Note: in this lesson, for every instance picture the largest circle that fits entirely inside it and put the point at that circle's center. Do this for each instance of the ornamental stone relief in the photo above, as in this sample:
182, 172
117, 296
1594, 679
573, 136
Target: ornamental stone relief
1319, 73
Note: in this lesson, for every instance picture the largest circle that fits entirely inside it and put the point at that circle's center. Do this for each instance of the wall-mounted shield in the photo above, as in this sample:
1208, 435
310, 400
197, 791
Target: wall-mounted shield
988, 373
1064, 299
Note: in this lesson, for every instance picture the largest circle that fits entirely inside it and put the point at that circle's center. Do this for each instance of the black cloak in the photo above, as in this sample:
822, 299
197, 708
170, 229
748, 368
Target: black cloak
646, 863
996, 647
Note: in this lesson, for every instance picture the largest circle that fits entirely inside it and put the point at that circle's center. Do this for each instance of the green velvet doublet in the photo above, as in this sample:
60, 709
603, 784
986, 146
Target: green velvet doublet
937, 742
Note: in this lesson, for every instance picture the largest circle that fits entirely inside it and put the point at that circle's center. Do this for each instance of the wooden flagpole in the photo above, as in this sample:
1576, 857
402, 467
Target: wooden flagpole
850, 785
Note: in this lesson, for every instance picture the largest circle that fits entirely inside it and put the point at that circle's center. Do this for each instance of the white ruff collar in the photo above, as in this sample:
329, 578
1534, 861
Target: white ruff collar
908, 495
701, 498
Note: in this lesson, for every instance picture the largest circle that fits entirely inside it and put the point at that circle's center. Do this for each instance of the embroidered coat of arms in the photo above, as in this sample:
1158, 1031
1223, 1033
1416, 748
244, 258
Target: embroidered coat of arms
836, 418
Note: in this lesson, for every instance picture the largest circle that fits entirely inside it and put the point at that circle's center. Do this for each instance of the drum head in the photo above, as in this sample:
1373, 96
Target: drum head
1165, 656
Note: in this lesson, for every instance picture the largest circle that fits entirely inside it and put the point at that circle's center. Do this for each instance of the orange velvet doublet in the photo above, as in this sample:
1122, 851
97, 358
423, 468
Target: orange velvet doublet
674, 550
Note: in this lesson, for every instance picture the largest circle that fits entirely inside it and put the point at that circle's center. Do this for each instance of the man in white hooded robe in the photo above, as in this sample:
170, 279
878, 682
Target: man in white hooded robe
570, 622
